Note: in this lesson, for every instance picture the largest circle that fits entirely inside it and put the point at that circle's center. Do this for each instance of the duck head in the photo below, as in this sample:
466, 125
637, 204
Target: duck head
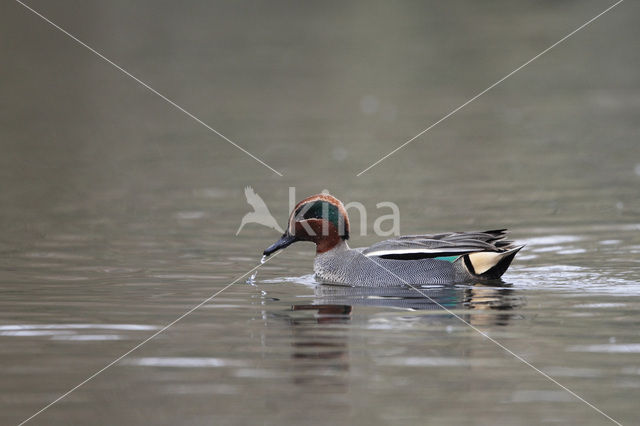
321, 219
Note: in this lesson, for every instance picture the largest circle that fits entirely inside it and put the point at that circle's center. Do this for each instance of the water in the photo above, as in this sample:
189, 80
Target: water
119, 212
252, 278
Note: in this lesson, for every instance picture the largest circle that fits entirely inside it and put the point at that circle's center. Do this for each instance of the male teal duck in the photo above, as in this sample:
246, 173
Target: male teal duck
452, 257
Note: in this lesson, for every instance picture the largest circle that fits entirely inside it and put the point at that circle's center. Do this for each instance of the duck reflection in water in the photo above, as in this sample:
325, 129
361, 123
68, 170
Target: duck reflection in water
320, 339
489, 304
320, 345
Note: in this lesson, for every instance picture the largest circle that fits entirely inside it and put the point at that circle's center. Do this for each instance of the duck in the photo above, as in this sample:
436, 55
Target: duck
427, 259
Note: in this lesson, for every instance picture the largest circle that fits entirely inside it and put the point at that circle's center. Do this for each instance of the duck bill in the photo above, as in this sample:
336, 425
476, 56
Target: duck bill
285, 241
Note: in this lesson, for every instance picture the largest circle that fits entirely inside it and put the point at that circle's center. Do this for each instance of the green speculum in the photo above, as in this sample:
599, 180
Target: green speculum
448, 258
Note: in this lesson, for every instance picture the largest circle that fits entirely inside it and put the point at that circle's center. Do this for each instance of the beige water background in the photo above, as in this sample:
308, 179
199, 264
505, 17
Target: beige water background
119, 213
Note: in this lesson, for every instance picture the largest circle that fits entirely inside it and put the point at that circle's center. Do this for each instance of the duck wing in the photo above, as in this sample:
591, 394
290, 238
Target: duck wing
409, 247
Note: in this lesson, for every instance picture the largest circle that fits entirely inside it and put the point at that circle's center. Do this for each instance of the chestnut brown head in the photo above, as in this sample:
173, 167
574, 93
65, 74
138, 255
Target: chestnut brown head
321, 219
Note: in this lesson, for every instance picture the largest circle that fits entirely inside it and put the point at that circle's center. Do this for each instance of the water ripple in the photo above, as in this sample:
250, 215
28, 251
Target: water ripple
632, 348
183, 362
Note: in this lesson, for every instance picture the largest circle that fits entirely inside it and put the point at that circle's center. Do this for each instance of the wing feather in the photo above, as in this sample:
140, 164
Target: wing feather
437, 245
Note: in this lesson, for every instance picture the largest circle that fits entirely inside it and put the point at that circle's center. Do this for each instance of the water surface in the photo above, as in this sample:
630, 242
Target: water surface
119, 213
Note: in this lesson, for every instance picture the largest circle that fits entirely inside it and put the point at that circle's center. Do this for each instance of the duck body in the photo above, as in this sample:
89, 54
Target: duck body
345, 266
445, 258
451, 258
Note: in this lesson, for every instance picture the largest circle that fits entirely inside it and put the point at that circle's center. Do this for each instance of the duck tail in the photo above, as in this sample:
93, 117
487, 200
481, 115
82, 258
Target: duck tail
490, 265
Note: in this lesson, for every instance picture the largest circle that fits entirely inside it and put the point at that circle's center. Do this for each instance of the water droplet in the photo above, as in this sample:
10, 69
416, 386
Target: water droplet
252, 278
